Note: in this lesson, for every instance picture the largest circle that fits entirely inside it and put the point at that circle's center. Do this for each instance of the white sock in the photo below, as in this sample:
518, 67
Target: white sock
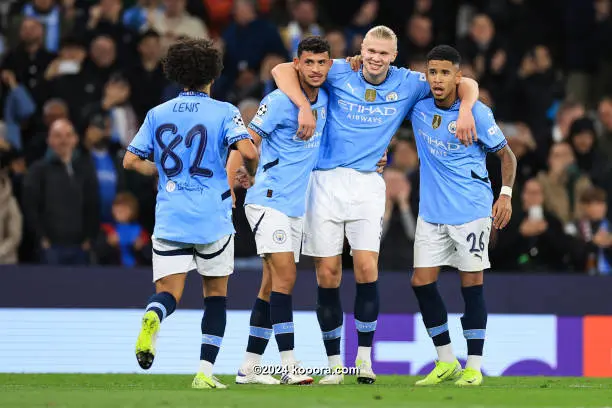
474, 362
334, 361
364, 353
287, 357
251, 359
445, 353
206, 367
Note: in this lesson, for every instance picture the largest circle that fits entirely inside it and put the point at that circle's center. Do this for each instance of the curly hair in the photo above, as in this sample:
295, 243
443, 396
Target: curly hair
193, 63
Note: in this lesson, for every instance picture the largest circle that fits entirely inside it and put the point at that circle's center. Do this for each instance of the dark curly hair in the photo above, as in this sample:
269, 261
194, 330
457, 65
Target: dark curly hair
193, 63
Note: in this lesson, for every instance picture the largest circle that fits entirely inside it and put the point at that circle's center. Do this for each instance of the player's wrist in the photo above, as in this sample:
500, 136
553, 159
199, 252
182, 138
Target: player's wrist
507, 191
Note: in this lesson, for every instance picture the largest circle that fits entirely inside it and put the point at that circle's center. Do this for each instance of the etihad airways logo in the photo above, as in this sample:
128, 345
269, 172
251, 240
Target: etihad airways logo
367, 109
366, 113
439, 147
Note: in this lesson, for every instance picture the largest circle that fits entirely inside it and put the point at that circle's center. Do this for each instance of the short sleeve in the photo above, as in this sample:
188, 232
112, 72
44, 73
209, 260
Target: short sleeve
490, 135
267, 117
233, 127
416, 82
142, 144
337, 71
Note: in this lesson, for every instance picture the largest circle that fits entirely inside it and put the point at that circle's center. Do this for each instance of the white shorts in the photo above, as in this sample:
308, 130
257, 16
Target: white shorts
341, 202
212, 260
274, 231
465, 246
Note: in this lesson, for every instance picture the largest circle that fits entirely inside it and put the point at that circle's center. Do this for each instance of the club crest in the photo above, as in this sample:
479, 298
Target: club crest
452, 127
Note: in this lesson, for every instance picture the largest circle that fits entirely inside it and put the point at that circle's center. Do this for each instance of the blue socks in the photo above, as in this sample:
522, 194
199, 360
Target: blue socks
433, 312
329, 314
260, 328
366, 312
163, 304
474, 320
213, 327
281, 314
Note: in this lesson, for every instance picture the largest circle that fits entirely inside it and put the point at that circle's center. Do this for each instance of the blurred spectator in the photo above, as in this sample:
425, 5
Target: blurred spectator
36, 145
603, 38
304, 23
136, 17
116, 104
534, 240
566, 114
418, 39
248, 40
590, 160
399, 224
563, 183
250, 85
605, 124
69, 60
29, 59
61, 200
337, 43
146, 78
18, 106
535, 90
122, 241
105, 18
55, 24
362, 21
87, 86
175, 22
483, 49
109, 170
11, 221
594, 230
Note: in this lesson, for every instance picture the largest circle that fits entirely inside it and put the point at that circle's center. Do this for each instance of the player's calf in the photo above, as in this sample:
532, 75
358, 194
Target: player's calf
474, 322
160, 306
213, 329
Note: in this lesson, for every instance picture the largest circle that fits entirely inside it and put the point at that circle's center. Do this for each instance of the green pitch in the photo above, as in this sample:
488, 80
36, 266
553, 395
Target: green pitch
85, 390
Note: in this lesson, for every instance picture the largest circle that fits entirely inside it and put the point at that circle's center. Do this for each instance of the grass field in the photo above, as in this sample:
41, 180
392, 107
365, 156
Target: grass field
85, 390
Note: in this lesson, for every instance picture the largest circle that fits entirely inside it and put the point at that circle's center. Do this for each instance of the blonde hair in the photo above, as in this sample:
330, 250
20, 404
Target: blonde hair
382, 32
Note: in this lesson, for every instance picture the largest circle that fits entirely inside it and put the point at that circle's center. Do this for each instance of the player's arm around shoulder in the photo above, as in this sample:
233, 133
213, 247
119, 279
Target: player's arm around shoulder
468, 93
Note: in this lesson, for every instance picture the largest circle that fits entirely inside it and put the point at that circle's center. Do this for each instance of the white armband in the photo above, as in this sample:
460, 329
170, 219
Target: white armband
505, 190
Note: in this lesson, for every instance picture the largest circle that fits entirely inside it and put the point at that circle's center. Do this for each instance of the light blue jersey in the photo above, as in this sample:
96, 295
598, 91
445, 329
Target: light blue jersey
286, 161
455, 187
189, 137
364, 117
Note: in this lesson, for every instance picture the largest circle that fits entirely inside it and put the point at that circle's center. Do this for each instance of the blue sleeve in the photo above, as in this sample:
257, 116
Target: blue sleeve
23, 103
233, 127
490, 135
337, 71
267, 117
416, 83
142, 144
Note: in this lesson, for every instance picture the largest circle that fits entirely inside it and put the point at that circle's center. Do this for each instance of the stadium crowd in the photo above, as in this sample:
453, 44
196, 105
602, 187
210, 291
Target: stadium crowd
78, 76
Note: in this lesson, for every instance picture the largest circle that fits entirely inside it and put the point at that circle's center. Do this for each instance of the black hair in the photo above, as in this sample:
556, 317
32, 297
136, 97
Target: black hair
148, 34
192, 63
444, 53
314, 44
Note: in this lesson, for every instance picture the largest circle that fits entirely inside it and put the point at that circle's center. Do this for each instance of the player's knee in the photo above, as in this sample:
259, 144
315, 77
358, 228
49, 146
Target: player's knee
366, 271
421, 280
329, 272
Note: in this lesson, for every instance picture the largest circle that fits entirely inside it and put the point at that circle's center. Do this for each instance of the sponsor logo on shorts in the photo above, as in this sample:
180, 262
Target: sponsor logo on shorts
279, 236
